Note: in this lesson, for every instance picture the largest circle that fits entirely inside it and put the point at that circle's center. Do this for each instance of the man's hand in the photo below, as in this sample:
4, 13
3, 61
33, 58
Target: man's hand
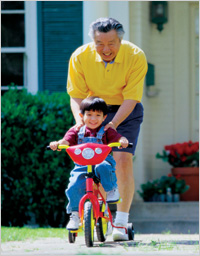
110, 125
78, 125
124, 142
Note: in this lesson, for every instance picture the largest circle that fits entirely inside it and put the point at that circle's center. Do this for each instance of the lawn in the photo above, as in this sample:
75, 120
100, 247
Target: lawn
24, 233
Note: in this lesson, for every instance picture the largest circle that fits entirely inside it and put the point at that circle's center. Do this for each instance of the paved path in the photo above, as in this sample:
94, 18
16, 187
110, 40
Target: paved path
151, 244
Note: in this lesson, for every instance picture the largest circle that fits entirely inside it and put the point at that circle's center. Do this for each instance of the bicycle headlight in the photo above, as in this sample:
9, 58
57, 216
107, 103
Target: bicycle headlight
88, 153
98, 150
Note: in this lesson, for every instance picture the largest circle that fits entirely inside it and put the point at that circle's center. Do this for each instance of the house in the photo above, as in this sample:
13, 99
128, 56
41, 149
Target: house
38, 38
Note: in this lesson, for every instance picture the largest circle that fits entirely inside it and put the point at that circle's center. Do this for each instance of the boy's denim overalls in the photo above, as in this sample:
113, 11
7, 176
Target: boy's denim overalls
105, 171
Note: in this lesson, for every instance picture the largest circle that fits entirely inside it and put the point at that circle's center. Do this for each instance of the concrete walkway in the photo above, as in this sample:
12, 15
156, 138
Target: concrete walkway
149, 244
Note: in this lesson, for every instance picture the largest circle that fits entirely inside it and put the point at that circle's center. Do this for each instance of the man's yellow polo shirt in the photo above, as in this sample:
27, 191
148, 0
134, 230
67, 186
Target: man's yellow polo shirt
122, 80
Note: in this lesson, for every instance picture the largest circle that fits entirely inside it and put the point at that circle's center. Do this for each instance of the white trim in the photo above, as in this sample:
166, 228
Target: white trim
31, 78
5, 88
181, 33
119, 10
92, 10
13, 49
13, 12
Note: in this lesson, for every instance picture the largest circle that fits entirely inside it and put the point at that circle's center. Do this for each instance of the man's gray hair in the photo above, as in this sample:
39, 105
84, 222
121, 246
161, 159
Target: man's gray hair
105, 25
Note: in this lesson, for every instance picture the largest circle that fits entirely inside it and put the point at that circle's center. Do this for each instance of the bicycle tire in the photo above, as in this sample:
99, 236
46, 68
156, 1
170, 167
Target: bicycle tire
102, 225
130, 231
71, 237
89, 224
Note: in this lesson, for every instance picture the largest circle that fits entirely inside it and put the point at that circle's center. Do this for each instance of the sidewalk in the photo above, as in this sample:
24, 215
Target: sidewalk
148, 244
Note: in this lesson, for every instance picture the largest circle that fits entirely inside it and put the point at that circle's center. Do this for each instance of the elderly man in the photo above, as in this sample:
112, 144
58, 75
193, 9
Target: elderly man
114, 70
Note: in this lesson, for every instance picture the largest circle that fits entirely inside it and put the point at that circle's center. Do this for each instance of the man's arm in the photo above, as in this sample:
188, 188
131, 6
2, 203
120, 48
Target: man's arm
123, 112
75, 107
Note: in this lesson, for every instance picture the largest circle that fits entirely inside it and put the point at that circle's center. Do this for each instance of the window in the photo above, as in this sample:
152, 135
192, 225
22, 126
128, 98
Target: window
13, 46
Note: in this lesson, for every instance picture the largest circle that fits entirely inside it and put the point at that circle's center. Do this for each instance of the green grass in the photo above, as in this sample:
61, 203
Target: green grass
21, 234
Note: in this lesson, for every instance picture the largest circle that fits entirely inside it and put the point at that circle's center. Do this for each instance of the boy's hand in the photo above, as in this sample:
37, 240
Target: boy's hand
124, 142
54, 146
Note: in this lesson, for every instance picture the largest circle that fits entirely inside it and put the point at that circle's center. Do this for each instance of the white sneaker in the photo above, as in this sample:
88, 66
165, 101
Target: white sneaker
74, 221
113, 196
119, 234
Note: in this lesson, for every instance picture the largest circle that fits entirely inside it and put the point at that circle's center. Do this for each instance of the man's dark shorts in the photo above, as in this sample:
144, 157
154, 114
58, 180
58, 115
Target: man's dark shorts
130, 127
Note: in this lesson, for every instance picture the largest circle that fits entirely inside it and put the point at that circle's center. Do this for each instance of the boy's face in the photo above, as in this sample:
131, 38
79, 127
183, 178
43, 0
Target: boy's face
93, 119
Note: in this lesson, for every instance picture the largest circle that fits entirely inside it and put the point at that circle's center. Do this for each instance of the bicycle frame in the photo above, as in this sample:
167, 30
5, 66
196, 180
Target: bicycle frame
92, 194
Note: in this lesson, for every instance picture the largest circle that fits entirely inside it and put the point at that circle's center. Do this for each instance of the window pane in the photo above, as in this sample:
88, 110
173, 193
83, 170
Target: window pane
12, 68
12, 5
12, 30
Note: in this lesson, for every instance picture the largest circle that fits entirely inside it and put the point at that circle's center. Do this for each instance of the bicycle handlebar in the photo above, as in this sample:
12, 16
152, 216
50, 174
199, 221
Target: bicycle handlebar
111, 145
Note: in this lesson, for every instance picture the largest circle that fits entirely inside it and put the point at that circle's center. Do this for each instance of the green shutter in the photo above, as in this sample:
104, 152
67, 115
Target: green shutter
60, 32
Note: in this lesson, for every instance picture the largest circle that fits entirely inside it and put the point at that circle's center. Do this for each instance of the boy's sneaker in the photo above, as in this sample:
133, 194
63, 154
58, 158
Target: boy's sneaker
119, 234
113, 196
74, 221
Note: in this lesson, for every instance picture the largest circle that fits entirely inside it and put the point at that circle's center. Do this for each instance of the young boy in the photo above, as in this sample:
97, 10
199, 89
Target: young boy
93, 112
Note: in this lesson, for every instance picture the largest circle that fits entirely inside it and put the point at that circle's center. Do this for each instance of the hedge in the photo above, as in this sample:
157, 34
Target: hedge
33, 179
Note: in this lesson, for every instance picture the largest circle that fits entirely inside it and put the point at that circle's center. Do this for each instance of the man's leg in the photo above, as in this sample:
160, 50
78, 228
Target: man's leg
125, 181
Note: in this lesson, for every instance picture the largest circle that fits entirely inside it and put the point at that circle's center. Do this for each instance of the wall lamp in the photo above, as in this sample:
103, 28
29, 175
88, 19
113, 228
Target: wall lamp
159, 13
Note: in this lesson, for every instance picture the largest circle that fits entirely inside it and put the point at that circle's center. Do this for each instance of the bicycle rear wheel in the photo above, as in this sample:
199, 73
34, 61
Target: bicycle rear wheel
89, 224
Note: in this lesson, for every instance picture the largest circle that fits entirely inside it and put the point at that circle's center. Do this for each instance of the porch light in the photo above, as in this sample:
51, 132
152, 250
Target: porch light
159, 13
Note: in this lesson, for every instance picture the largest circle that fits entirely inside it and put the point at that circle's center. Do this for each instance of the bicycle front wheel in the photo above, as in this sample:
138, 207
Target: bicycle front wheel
102, 225
89, 223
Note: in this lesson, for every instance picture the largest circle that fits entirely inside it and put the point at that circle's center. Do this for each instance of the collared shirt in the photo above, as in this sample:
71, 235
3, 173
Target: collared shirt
109, 136
121, 80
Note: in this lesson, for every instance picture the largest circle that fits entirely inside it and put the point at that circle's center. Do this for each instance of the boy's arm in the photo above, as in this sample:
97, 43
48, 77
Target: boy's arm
54, 144
124, 142
113, 136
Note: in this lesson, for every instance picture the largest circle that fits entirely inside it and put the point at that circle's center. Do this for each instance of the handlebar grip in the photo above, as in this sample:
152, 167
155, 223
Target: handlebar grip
130, 145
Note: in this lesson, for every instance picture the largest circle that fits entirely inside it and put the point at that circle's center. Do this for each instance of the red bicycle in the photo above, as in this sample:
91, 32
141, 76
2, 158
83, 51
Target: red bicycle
93, 210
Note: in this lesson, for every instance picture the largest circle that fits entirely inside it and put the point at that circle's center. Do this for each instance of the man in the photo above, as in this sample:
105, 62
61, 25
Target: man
112, 69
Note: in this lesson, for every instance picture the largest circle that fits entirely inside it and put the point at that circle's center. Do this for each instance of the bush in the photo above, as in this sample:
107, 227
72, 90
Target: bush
34, 179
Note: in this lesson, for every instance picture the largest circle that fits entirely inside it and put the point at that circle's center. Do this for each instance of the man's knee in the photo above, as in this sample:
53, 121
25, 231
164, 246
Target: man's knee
123, 160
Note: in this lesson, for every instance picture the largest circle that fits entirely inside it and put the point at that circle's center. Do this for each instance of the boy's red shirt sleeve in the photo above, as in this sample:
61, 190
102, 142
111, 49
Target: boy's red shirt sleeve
112, 135
71, 136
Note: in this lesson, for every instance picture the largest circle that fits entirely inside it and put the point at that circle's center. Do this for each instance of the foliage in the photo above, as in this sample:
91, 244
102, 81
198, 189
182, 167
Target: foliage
181, 154
159, 186
33, 179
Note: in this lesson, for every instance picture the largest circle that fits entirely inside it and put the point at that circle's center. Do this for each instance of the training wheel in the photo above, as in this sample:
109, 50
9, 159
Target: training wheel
130, 230
71, 237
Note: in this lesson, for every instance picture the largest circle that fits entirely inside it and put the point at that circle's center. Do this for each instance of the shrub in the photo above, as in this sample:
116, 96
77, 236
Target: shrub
33, 179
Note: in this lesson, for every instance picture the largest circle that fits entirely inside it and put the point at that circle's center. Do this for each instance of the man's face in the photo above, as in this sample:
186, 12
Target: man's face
107, 44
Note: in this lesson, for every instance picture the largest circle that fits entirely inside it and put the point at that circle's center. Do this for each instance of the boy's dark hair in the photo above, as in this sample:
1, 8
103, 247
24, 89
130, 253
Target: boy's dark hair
93, 103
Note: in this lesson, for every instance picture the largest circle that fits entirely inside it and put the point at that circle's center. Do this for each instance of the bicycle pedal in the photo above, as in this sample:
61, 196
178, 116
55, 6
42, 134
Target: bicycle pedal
76, 231
117, 202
